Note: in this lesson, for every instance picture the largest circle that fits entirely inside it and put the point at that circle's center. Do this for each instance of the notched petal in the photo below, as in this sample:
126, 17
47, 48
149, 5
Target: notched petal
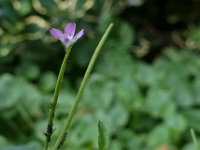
70, 29
57, 33
79, 35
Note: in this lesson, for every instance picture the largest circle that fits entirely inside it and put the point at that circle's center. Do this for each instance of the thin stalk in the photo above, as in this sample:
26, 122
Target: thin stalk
63, 132
53, 104
194, 139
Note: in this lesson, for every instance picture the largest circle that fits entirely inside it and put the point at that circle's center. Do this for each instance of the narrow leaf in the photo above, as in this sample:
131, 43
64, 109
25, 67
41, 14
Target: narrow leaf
102, 138
194, 139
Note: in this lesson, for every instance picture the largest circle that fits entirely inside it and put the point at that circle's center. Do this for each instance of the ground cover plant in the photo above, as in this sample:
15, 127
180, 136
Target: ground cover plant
144, 87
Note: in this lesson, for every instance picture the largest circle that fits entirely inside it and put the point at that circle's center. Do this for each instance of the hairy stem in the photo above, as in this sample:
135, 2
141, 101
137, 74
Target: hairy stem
63, 132
53, 104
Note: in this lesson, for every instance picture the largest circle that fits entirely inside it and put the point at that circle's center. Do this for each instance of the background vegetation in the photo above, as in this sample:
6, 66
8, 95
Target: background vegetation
144, 88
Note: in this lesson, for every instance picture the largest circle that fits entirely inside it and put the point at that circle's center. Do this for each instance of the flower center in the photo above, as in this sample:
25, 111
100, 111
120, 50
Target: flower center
68, 36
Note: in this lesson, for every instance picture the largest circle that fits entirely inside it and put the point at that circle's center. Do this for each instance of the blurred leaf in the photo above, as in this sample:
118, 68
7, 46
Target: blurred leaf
28, 70
10, 91
146, 75
130, 140
48, 4
115, 118
177, 124
103, 99
183, 95
128, 92
116, 145
192, 117
23, 7
30, 95
189, 146
47, 81
156, 101
126, 34
154, 142
30, 146
3, 141
115, 62
84, 131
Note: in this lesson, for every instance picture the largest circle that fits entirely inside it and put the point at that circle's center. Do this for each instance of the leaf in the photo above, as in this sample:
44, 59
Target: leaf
29, 146
3, 141
116, 145
84, 130
102, 138
9, 91
183, 95
115, 62
192, 118
160, 135
128, 92
103, 99
130, 140
156, 101
47, 81
174, 121
28, 70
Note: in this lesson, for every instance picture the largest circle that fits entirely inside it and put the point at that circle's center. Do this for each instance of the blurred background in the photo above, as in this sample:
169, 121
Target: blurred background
145, 86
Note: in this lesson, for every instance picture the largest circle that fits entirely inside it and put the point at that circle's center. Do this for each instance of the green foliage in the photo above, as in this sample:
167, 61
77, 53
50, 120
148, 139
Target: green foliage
143, 104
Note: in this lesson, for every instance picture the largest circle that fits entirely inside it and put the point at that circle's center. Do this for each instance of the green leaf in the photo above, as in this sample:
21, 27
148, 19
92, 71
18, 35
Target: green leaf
156, 101
103, 99
10, 91
128, 92
160, 135
47, 81
130, 140
116, 145
177, 125
28, 70
84, 131
102, 138
121, 61
29, 146
3, 141
192, 118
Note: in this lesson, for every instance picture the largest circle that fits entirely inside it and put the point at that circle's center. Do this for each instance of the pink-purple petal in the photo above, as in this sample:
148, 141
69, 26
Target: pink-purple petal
57, 33
67, 37
70, 30
78, 35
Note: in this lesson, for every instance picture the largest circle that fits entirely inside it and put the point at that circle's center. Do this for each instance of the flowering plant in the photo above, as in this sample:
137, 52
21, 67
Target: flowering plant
68, 38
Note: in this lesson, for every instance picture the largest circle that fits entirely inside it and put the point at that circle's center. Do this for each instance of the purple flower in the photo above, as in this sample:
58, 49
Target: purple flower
68, 37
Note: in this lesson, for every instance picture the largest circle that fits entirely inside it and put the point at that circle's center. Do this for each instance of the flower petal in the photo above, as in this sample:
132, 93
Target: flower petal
78, 35
70, 30
57, 33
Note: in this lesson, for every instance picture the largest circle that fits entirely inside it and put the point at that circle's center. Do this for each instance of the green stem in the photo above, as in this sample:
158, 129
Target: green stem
63, 132
55, 98
194, 139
